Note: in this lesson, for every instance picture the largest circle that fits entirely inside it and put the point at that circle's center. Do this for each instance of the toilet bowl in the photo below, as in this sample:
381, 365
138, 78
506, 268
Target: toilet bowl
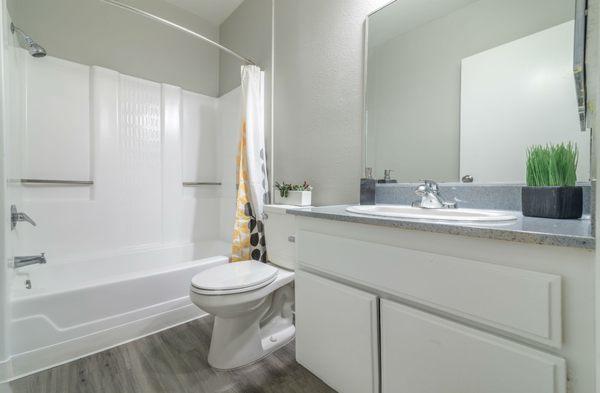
252, 302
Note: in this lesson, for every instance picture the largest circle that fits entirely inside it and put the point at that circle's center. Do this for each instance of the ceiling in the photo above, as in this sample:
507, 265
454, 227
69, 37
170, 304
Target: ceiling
214, 11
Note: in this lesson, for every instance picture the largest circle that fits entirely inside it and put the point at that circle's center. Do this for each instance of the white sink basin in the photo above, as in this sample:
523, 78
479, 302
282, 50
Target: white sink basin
401, 211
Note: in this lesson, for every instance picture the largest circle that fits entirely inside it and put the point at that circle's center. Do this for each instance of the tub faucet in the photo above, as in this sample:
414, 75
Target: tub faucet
29, 260
431, 198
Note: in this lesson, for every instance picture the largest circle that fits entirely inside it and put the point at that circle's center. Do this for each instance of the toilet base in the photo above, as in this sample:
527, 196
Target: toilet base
283, 338
245, 339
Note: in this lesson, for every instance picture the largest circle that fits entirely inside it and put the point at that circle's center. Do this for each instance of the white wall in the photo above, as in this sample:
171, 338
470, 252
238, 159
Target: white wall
137, 140
318, 100
5, 124
94, 33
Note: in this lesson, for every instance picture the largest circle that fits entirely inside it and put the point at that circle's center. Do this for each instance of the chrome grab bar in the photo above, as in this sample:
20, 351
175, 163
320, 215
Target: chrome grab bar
200, 183
64, 182
90, 182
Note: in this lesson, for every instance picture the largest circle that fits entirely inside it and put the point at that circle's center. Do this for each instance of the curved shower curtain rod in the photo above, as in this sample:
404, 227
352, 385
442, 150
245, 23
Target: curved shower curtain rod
178, 27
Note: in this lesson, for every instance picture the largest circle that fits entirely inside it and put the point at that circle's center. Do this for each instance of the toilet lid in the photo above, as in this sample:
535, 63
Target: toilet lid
234, 276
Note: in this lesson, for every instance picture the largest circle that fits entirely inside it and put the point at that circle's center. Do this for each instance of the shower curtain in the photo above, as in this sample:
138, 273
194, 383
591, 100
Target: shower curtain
252, 194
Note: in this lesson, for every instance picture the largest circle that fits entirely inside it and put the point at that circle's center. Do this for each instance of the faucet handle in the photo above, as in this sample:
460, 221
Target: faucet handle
16, 216
421, 190
467, 179
25, 217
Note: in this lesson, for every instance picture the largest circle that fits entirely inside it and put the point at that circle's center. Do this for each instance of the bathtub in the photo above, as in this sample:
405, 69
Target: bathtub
78, 307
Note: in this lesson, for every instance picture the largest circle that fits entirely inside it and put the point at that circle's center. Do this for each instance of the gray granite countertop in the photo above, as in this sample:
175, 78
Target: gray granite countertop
565, 233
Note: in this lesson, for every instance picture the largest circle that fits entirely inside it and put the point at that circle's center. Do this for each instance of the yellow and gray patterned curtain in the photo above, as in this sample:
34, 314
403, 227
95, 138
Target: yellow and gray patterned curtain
252, 195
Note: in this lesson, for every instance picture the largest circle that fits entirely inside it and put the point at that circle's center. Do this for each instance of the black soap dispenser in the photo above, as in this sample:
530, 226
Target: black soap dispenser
367, 188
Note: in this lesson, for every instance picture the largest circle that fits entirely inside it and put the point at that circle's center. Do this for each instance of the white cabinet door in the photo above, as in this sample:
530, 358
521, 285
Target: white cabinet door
336, 334
422, 353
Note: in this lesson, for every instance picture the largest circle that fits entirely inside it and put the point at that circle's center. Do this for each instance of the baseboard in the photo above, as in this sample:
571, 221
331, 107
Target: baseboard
31, 362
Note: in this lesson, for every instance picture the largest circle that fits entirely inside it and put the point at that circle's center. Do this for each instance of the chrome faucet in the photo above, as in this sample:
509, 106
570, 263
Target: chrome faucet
431, 198
29, 260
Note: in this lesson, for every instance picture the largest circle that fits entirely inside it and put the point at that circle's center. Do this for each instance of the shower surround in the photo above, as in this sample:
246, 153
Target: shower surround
120, 252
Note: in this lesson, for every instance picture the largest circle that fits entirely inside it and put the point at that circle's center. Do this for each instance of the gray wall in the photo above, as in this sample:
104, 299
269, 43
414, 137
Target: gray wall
318, 95
414, 90
94, 33
248, 31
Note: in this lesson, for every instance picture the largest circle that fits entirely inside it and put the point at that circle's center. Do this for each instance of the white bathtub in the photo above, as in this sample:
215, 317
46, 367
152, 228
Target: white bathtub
75, 308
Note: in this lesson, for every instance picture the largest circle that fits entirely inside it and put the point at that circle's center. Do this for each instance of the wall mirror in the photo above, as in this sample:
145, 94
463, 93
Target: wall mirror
461, 88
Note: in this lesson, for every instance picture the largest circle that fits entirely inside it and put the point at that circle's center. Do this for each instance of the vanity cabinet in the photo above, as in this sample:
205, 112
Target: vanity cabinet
336, 334
451, 314
519, 301
422, 353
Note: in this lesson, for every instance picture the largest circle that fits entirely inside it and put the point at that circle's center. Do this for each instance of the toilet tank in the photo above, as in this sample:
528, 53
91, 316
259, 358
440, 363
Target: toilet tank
280, 233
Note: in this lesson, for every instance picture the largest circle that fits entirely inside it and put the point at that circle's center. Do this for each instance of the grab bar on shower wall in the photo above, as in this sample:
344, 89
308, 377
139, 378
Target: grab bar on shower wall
90, 182
200, 183
58, 182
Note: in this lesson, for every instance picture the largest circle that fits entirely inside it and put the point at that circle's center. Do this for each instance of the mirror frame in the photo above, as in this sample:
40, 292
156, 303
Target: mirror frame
579, 60
363, 153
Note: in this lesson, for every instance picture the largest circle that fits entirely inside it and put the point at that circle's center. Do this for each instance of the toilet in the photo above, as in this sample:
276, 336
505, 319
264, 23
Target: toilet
252, 302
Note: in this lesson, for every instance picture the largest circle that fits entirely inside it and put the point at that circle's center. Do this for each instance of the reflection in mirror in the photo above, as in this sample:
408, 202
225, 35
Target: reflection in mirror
461, 88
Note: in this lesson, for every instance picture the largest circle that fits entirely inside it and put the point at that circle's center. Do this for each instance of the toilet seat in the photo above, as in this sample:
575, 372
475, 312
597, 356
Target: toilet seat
237, 277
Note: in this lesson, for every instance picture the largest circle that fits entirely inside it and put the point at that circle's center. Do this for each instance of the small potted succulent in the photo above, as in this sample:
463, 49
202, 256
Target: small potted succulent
293, 194
551, 176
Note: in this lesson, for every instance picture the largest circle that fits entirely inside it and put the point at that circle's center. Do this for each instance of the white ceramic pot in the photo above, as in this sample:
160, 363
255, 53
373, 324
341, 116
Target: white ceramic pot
295, 198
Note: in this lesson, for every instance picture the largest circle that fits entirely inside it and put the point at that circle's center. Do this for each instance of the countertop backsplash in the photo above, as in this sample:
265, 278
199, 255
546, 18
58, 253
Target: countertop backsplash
498, 196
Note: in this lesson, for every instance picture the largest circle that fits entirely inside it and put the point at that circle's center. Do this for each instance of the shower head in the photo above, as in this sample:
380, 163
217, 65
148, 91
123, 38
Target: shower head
34, 49
37, 50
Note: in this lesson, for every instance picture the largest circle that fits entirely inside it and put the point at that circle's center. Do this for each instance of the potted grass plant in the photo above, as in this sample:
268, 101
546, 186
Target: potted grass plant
551, 176
293, 194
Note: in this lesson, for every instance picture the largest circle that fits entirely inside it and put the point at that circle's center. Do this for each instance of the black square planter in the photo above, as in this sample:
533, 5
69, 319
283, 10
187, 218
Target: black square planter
552, 202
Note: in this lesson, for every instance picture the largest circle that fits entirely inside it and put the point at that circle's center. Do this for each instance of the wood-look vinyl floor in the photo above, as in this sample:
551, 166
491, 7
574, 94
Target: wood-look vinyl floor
172, 361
